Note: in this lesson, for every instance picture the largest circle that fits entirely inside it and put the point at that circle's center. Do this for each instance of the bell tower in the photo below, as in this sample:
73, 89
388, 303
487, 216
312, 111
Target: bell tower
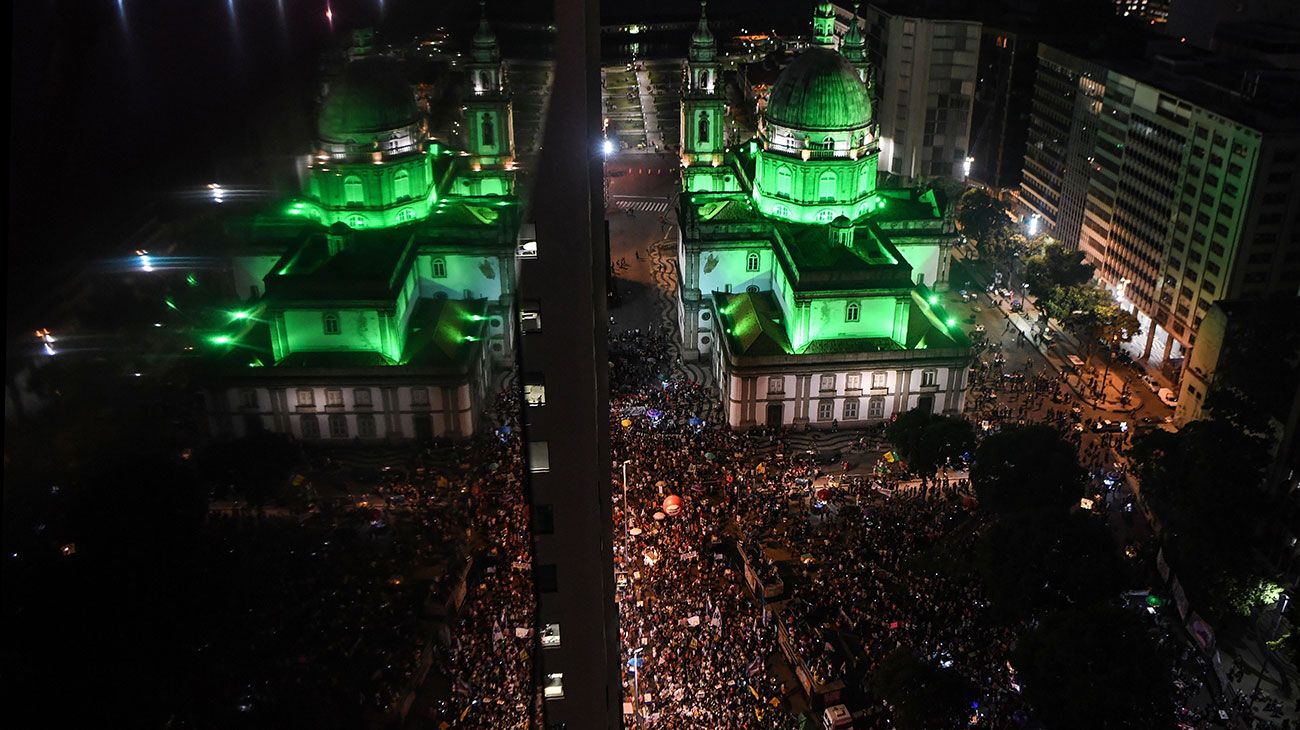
704, 109
489, 116
824, 25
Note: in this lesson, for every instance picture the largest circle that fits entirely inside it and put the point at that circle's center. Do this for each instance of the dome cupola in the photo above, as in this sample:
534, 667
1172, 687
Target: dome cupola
819, 92
369, 102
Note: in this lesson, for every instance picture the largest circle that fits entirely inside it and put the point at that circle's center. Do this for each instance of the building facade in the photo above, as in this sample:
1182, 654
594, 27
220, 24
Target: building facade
796, 271
379, 303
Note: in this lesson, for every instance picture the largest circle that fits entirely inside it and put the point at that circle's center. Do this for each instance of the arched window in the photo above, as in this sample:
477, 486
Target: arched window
330, 323
704, 79
357, 221
852, 312
825, 216
489, 135
783, 184
439, 268
828, 142
826, 186
405, 214
751, 261
704, 128
352, 190
402, 185
781, 211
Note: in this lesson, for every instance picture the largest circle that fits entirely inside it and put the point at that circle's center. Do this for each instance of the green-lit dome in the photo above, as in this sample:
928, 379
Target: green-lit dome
372, 96
819, 91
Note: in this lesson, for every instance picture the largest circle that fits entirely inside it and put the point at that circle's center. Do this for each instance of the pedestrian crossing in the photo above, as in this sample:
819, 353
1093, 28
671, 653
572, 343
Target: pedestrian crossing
656, 205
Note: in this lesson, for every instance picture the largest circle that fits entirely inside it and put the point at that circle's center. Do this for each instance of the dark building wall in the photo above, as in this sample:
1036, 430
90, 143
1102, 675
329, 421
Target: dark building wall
1004, 94
568, 437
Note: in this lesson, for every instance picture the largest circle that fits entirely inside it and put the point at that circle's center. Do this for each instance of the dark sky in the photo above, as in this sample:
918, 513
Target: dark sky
117, 105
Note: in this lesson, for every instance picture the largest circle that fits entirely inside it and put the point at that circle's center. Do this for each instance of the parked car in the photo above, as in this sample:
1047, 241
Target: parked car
1168, 397
1108, 426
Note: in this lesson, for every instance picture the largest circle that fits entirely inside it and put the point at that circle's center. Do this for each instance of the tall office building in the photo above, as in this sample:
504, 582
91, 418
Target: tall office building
565, 377
927, 62
1175, 175
1004, 92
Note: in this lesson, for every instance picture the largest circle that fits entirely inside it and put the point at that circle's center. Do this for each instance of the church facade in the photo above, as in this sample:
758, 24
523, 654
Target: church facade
813, 294
377, 304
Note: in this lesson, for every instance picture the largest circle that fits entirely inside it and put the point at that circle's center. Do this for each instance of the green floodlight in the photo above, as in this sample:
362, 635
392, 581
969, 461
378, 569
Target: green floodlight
240, 315
934, 299
952, 321
192, 280
220, 339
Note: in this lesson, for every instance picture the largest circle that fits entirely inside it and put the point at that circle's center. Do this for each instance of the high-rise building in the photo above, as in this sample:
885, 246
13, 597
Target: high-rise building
1196, 22
927, 62
1175, 176
1004, 93
1155, 12
563, 366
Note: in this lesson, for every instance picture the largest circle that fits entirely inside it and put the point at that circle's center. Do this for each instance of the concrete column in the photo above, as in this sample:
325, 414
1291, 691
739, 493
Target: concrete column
1151, 338
904, 389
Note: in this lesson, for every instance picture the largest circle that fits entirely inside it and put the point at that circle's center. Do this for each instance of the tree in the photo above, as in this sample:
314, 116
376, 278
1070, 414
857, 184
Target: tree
1203, 483
1091, 314
927, 441
1056, 266
985, 219
1040, 559
1094, 667
922, 695
1026, 467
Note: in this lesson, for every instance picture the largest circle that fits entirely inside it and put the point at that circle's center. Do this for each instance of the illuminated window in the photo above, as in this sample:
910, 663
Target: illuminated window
929, 377
783, 178
825, 216
827, 382
420, 396
534, 390
357, 221
306, 397
751, 261
853, 381
366, 426
338, 426
826, 186
309, 426
402, 184
852, 312
880, 380
551, 636
781, 211
850, 409
776, 384
530, 319
333, 396
439, 268
553, 689
352, 190
405, 215
330, 323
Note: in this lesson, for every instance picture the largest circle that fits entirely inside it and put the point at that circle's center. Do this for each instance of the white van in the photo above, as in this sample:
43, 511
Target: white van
837, 717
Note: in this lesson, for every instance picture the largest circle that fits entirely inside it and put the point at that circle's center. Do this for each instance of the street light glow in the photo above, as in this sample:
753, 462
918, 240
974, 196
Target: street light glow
607, 147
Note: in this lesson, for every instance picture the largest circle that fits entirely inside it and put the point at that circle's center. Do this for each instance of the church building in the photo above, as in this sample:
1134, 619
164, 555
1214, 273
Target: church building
376, 304
814, 294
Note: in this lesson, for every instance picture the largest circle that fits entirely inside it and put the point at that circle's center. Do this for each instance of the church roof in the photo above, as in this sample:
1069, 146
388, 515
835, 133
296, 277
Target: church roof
371, 96
752, 323
365, 270
819, 91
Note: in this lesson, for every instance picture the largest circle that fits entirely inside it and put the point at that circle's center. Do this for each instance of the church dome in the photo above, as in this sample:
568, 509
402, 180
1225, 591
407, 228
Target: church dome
819, 91
371, 97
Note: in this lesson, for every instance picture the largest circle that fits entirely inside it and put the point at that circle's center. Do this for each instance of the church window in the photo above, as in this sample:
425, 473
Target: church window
361, 397
310, 427
366, 426
352, 190
402, 185
783, 181
776, 385
781, 211
338, 426
850, 409
704, 128
826, 186
405, 214
827, 382
852, 312
880, 379
330, 323
751, 261
828, 142
489, 133
825, 216
929, 377
306, 397
704, 79
752, 289
825, 410
876, 407
357, 221
853, 381
439, 267
333, 396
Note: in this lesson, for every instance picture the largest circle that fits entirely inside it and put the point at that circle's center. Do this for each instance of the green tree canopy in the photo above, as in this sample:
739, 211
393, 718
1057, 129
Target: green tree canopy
926, 441
1056, 266
985, 219
1094, 667
1091, 314
1026, 467
923, 696
1049, 558
1203, 483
